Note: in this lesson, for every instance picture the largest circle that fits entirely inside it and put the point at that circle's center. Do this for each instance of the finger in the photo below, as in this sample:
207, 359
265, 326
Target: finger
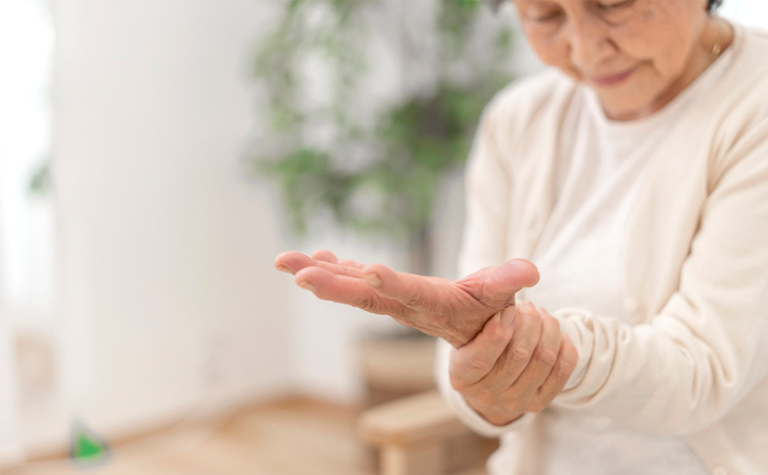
558, 377
350, 263
470, 363
325, 255
289, 261
328, 256
496, 286
419, 293
293, 262
341, 269
543, 358
347, 290
526, 332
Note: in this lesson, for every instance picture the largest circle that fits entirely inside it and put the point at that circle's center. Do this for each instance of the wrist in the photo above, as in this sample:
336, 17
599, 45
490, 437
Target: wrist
494, 415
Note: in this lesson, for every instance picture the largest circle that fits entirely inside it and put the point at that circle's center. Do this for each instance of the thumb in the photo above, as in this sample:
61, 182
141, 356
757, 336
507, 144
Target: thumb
496, 286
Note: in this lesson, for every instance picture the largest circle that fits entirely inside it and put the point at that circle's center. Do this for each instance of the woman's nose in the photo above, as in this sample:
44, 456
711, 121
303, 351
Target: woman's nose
588, 42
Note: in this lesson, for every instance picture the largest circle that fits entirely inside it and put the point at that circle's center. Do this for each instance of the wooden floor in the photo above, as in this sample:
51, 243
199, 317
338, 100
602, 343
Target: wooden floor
289, 437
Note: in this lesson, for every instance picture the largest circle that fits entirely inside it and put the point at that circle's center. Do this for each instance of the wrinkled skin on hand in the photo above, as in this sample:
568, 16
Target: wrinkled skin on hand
453, 310
519, 363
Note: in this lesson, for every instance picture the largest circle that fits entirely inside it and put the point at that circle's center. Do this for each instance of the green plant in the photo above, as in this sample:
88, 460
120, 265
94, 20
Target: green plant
378, 176
40, 181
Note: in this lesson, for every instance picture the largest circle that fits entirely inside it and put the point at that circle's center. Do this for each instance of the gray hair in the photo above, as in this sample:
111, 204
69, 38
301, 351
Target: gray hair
494, 5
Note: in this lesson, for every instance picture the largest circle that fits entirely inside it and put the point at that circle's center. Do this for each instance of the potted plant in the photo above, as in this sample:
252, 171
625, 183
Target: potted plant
377, 176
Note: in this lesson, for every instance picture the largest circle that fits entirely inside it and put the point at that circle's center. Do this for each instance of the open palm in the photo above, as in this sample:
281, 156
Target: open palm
453, 310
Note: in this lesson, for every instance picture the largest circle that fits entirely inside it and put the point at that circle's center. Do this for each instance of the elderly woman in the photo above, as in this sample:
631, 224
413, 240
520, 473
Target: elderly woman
634, 174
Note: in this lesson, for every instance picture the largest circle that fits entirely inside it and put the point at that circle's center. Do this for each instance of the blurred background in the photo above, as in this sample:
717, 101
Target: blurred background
156, 155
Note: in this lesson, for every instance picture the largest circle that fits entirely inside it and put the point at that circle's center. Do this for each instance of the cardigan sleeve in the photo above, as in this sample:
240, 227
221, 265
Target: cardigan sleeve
708, 347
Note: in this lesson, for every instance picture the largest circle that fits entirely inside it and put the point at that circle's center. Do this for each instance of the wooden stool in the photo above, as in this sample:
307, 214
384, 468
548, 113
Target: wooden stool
396, 366
420, 435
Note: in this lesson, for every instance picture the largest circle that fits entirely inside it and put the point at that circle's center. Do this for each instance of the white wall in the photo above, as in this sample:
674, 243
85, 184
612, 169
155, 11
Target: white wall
9, 440
25, 50
747, 12
168, 295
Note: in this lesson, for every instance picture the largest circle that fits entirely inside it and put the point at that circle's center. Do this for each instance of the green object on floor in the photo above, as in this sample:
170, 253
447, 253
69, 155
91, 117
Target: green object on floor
86, 447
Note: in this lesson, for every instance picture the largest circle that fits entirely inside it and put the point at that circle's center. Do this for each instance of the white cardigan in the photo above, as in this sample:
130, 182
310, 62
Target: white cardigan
694, 359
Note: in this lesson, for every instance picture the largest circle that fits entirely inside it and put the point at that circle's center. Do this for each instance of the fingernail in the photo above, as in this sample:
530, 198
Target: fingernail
308, 285
508, 316
284, 269
373, 279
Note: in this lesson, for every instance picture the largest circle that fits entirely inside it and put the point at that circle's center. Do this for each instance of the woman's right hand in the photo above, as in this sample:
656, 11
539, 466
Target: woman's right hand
518, 363
453, 310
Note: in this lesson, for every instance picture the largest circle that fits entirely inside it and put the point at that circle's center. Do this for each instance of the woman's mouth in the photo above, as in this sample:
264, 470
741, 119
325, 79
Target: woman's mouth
610, 80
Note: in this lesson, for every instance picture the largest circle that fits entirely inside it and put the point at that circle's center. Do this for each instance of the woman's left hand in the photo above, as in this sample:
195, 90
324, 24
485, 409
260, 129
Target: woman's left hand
517, 364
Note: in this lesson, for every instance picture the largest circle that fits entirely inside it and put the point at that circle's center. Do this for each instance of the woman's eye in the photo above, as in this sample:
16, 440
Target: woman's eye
546, 17
616, 13
615, 5
543, 16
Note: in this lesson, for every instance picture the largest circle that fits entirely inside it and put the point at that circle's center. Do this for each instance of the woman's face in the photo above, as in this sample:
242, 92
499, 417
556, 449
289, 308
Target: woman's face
636, 54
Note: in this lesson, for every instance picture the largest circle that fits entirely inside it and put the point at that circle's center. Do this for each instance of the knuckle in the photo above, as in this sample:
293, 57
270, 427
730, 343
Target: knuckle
545, 356
499, 336
520, 354
475, 363
533, 320
552, 321
523, 310
530, 310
